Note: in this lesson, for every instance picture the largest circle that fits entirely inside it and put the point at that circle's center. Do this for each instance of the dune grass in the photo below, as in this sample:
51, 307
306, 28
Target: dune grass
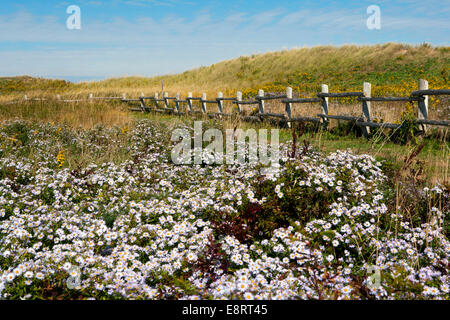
342, 68
392, 69
84, 114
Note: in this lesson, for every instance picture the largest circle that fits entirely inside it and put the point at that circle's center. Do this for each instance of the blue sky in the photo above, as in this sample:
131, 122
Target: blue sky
151, 37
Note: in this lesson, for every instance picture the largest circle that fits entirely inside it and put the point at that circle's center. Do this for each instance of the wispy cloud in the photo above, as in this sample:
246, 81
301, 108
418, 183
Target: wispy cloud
145, 3
164, 3
156, 44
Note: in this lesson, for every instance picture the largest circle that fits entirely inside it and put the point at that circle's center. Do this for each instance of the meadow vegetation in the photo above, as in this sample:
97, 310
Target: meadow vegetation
107, 209
88, 191
393, 69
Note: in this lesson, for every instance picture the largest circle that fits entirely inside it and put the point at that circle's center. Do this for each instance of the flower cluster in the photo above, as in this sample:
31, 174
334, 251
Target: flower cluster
144, 228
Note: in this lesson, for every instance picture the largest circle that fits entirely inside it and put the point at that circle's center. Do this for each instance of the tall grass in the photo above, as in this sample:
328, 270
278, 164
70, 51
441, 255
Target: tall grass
345, 67
393, 69
84, 114
435, 155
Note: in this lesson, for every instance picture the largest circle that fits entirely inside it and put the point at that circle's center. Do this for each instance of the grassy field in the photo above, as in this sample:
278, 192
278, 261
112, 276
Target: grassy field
92, 205
103, 213
391, 68
342, 135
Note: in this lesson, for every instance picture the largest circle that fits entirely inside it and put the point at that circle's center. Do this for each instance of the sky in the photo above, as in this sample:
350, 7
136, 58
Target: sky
154, 37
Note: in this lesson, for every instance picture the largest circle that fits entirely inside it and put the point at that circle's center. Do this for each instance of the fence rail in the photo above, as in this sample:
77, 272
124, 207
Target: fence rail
364, 120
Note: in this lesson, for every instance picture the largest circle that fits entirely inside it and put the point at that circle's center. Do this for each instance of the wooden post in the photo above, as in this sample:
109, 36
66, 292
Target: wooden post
261, 102
189, 101
220, 102
166, 101
141, 99
423, 104
203, 102
289, 105
124, 96
156, 102
91, 95
367, 90
239, 98
177, 104
325, 105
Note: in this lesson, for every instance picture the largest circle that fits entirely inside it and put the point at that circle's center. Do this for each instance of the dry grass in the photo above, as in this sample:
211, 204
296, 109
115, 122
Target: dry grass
322, 64
393, 69
86, 115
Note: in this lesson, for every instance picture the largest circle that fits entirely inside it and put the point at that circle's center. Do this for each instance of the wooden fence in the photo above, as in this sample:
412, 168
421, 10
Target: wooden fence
147, 104
364, 121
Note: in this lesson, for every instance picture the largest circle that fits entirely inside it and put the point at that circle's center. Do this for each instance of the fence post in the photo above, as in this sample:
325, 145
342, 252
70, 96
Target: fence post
220, 102
155, 100
289, 105
189, 101
141, 99
203, 102
325, 105
177, 103
367, 91
91, 95
261, 102
166, 101
124, 96
423, 104
239, 98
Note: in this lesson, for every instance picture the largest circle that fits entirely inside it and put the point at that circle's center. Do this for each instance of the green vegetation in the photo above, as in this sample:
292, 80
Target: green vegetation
392, 68
138, 226
389, 67
25, 84
93, 207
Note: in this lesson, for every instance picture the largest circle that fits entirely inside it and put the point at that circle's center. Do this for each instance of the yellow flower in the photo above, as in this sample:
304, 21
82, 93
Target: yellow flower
13, 139
60, 158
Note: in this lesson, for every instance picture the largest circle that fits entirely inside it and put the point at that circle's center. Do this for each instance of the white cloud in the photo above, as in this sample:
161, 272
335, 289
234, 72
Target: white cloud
173, 43
149, 3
